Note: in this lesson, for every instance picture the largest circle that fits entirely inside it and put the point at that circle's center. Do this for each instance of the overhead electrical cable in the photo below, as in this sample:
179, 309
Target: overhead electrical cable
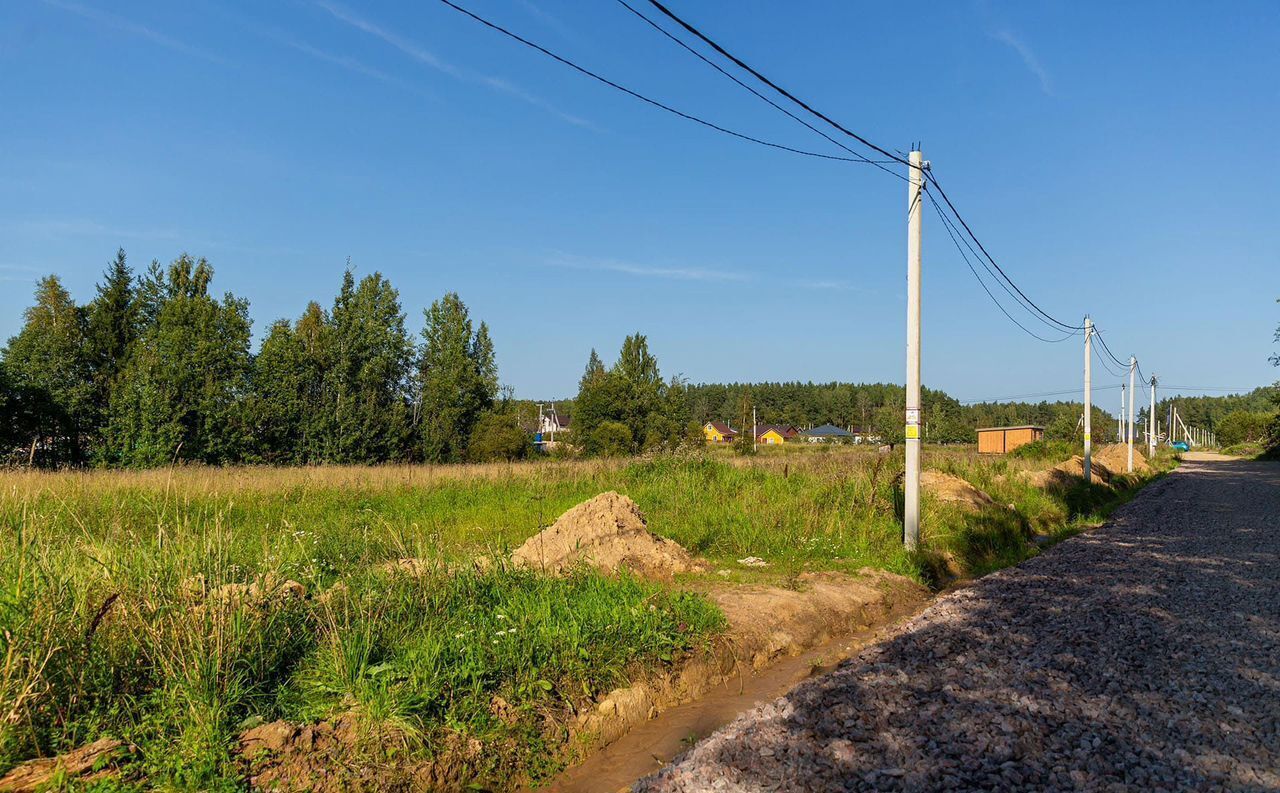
878, 163
1064, 392
1107, 365
1098, 332
952, 234
642, 97
864, 141
1029, 302
742, 65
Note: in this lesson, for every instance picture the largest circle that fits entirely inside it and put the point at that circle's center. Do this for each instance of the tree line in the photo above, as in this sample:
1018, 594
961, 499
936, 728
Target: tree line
156, 369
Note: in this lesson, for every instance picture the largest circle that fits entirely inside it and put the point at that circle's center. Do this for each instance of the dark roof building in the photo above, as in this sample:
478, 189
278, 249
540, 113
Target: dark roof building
828, 431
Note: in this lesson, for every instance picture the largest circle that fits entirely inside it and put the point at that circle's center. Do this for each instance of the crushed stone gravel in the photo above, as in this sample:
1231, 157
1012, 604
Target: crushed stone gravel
1144, 655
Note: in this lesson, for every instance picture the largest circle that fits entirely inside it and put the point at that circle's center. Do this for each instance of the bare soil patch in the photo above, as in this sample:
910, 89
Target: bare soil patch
1063, 475
340, 754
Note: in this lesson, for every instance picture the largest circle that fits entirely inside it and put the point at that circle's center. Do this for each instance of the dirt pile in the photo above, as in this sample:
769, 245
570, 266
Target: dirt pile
1063, 475
607, 532
954, 490
1115, 456
88, 764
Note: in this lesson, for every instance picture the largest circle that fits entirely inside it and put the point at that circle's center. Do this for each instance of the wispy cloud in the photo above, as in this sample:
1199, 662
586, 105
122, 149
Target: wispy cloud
646, 271
424, 56
1029, 59
133, 28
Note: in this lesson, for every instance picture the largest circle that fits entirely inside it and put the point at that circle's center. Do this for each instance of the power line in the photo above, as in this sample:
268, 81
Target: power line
878, 163
1063, 392
1120, 363
1105, 365
742, 65
642, 97
897, 158
946, 221
1002, 282
1029, 302
1212, 388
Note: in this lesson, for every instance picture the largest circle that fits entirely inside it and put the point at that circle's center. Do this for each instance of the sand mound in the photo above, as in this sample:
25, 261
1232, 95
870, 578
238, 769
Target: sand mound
92, 763
1065, 474
954, 490
607, 532
1116, 457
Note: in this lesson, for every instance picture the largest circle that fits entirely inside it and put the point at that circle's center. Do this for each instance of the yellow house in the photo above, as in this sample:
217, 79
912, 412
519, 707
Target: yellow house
719, 432
771, 434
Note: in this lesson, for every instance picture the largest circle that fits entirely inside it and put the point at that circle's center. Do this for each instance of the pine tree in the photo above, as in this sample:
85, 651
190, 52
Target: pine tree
48, 362
594, 404
112, 328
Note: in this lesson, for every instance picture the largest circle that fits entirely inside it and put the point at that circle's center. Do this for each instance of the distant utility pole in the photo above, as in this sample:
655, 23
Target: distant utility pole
1088, 399
755, 436
1153, 426
1133, 397
1120, 417
911, 482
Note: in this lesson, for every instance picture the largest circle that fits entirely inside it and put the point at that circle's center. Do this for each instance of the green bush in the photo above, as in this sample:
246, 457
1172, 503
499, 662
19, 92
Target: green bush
612, 439
1243, 426
498, 436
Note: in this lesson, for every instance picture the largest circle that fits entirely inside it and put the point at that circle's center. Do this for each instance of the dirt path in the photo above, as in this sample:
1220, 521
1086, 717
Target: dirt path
1143, 655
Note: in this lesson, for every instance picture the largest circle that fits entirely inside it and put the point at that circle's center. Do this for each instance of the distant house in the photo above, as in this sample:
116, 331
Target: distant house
771, 434
719, 432
1000, 440
827, 433
861, 435
552, 422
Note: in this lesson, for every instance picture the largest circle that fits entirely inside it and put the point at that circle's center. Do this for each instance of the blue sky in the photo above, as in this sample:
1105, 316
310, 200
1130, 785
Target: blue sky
1117, 159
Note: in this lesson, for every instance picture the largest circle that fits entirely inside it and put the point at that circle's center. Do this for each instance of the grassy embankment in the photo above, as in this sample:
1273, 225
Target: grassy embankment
109, 625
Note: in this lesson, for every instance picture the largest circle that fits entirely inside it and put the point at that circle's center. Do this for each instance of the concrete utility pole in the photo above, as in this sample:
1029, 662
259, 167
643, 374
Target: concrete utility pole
1153, 426
911, 483
755, 435
1088, 399
1133, 365
1120, 417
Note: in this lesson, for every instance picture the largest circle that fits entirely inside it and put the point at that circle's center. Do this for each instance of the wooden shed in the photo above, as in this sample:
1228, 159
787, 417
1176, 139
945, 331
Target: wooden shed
999, 440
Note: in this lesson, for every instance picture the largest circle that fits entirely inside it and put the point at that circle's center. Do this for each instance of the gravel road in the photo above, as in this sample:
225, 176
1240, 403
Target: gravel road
1144, 655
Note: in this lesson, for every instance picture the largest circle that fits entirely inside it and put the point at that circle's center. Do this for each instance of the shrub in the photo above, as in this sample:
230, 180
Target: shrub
498, 436
612, 439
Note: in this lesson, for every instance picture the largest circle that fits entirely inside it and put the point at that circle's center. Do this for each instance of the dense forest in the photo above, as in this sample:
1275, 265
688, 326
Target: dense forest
157, 369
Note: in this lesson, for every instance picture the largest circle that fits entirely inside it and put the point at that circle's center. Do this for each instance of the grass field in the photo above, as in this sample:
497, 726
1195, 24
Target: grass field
152, 606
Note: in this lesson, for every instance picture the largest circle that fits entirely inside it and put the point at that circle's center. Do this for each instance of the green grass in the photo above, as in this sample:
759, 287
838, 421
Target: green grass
106, 626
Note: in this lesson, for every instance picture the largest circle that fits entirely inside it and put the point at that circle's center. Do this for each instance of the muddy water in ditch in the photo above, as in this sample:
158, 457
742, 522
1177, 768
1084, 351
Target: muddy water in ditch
649, 746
